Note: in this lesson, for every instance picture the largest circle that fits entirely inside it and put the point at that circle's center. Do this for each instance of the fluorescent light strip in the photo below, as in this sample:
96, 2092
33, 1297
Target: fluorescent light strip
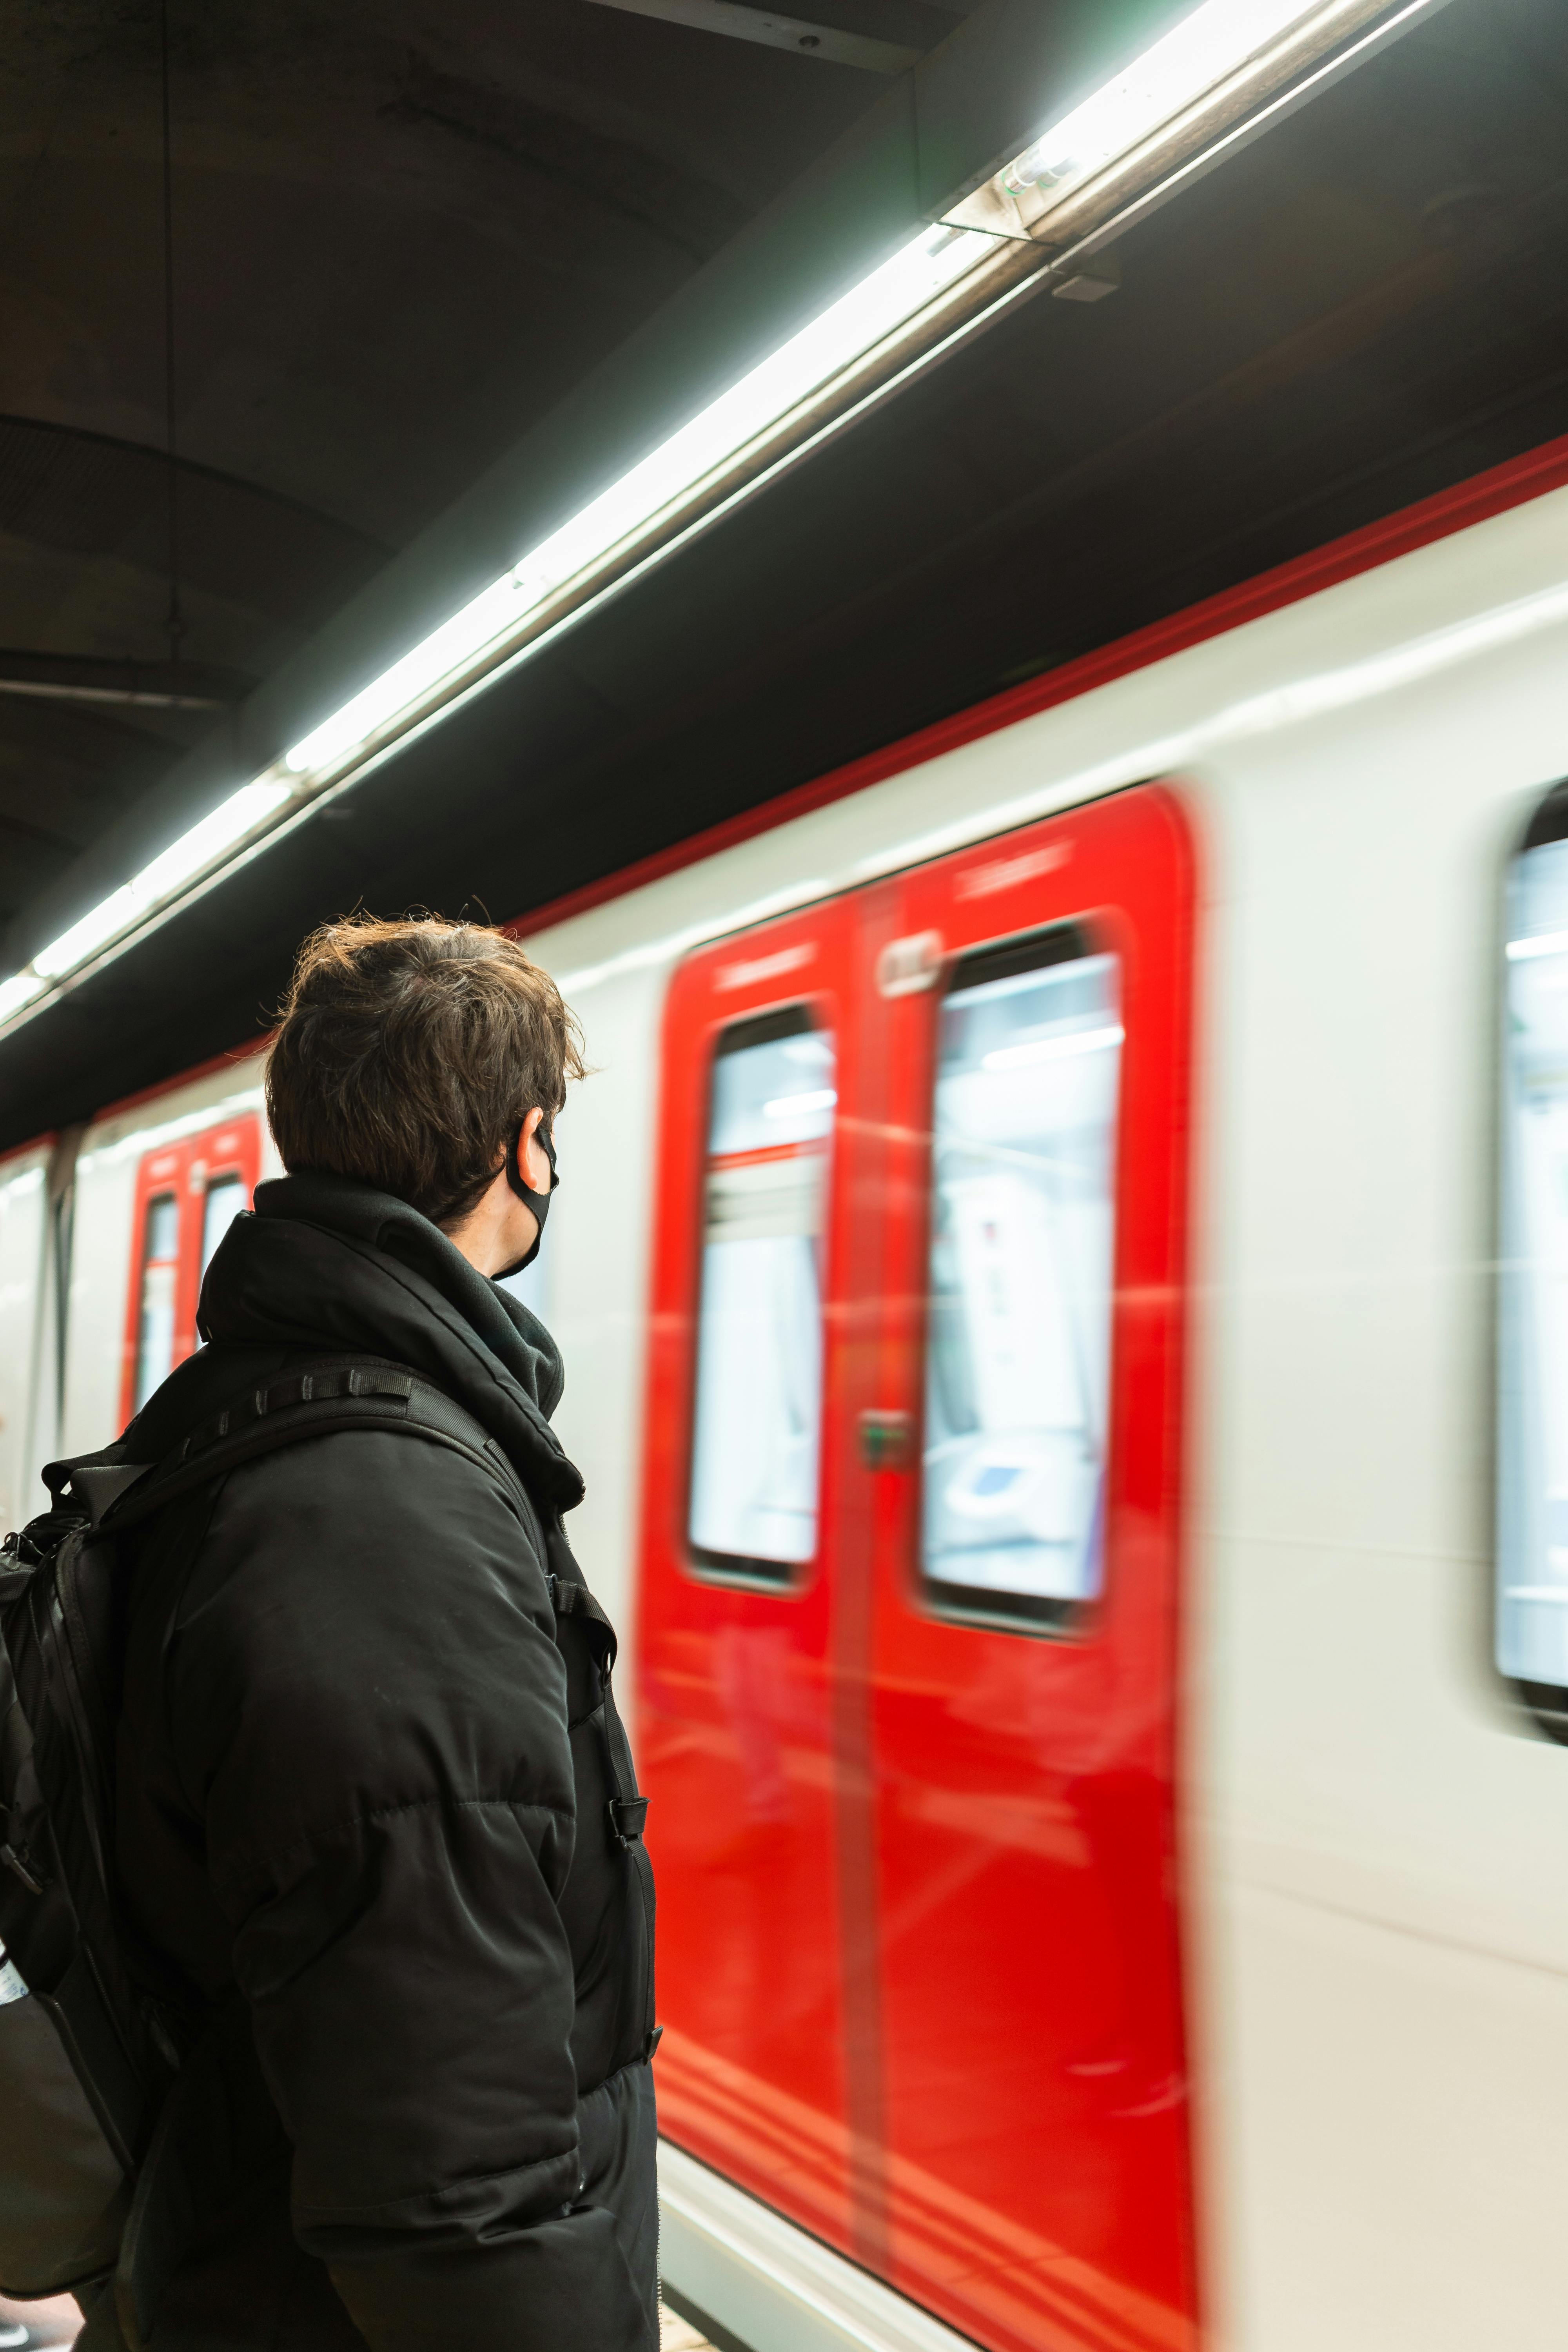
1544, 943
228, 824
1201, 50
19, 990
1229, 64
667, 490
924, 269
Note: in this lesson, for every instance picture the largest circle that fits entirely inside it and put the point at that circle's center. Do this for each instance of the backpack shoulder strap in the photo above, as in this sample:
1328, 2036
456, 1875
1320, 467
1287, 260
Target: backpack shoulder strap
628, 1808
366, 1392
329, 1394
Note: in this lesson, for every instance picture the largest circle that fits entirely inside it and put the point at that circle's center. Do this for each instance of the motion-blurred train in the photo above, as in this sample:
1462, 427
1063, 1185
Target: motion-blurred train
1063, 1272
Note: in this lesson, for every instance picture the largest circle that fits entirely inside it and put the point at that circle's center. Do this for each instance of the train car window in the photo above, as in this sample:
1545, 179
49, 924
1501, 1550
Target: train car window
1022, 1234
226, 1197
758, 1403
160, 1274
1532, 1337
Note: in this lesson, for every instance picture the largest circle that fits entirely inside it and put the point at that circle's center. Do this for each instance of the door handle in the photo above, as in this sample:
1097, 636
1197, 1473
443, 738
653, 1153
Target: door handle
888, 1441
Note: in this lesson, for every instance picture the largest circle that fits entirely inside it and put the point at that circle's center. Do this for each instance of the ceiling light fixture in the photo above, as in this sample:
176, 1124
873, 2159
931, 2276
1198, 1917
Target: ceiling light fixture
19, 990
1213, 79
245, 813
661, 484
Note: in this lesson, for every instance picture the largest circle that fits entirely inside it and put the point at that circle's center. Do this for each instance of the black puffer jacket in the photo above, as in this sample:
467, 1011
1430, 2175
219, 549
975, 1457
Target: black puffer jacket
366, 1849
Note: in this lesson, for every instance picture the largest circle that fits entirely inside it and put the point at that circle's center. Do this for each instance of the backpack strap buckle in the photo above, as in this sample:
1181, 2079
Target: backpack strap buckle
627, 1815
98, 1485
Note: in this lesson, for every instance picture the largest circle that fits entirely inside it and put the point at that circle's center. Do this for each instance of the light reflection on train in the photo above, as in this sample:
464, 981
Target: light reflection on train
1023, 1268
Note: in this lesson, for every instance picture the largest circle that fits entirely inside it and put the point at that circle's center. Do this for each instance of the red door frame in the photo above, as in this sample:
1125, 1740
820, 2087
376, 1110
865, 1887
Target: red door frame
188, 1170
734, 1693
1026, 1783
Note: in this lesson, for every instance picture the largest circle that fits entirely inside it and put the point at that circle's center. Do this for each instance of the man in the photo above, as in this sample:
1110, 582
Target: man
371, 1864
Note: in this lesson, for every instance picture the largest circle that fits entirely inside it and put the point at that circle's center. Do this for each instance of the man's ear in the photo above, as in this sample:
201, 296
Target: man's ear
530, 1158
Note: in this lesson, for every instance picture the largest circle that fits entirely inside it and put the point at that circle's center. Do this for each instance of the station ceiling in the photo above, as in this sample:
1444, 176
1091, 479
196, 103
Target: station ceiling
401, 245
401, 234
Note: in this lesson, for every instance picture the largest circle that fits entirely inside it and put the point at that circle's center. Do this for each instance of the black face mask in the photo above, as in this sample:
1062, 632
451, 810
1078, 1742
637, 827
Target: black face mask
538, 1202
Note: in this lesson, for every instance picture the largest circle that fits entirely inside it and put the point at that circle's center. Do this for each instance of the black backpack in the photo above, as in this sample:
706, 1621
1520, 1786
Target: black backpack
89, 2048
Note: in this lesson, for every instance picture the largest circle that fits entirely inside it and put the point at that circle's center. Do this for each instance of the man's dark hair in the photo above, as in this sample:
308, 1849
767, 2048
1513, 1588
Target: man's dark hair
408, 1053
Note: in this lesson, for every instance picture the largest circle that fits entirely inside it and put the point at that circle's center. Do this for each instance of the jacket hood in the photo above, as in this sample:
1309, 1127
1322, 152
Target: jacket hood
326, 1264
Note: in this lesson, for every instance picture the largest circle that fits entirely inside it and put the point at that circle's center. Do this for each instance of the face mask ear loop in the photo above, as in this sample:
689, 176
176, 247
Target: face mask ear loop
538, 1202
514, 1176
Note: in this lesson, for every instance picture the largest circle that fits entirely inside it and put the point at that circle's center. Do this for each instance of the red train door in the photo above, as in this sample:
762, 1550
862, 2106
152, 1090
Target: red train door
186, 1194
742, 1565
909, 1608
1025, 1457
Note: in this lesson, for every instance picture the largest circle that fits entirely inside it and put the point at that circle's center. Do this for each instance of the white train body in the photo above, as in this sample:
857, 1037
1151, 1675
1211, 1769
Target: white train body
1372, 1831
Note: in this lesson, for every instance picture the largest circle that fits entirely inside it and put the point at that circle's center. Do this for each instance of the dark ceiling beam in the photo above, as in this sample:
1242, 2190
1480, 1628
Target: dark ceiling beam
159, 685
807, 39
27, 829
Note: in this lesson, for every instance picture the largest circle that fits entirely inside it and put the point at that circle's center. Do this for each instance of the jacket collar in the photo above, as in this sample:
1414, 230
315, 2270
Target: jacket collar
327, 1264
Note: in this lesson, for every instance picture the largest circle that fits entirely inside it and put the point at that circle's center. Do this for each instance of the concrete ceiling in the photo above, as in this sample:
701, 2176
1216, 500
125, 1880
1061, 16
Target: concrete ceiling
1367, 307
401, 234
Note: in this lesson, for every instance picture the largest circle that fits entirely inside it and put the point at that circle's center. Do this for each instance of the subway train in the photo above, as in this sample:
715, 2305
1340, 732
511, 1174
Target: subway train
1062, 1264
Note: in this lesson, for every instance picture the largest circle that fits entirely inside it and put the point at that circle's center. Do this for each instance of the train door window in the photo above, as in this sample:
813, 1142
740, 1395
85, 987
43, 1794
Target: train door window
226, 1197
758, 1403
160, 1276
1533, 1367
1021, 1250
188, 1193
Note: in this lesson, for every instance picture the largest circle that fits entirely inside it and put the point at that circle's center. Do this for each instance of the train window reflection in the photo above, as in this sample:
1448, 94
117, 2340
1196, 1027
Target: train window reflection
1022, 1229
160, 1271
1532, 1401
224, 1200
758, 1405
